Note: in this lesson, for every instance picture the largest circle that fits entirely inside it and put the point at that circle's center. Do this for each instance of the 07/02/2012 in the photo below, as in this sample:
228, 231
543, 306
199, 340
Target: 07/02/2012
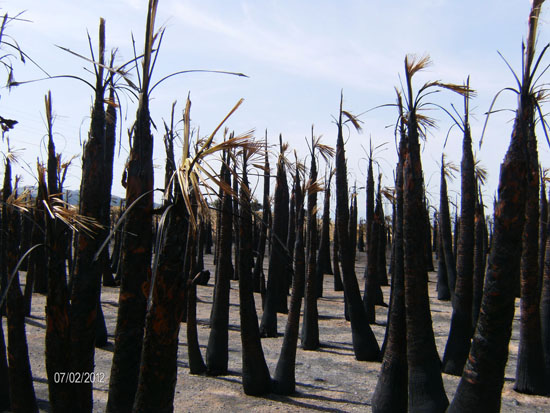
78, 377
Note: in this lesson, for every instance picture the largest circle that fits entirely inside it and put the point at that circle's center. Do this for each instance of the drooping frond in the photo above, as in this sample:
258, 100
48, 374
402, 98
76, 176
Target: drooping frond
353, 119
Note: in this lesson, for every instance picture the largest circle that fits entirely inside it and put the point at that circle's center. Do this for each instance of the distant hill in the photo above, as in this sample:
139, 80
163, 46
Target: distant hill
71, 196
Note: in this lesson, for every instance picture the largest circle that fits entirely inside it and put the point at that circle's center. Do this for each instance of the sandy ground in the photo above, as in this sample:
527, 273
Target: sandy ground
329, 379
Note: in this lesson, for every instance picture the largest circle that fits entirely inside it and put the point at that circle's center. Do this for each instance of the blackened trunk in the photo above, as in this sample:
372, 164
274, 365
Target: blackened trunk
529, 369
284, 380
136, 259
391, 389
443, 291
445, 229
480, 388
310, 327
86, 279
276, 293
338, 286
217, 349
256, 378
480, 259
426, 392
258, 275
365, 346
21, 387
323, 255
458, 344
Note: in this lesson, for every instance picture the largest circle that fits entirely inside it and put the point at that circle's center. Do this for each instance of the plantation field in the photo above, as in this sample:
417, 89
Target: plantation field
329, 380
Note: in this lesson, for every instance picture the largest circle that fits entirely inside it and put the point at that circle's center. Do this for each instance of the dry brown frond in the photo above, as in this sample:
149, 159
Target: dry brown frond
388, 193
462, 90
480, 172
68, 214
449, 168
353, 119
414, 63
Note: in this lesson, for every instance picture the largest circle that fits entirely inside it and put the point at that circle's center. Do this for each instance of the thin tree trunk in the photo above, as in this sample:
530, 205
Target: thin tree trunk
136, 259
256, 378
480, 387
390, 394
460, 334
365, 346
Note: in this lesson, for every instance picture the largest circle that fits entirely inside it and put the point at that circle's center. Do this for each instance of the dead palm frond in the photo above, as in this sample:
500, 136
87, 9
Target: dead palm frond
480, 172
449, 168
195, 173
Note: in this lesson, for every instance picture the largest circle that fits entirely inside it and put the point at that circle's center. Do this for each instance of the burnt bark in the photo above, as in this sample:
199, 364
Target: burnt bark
365, 346
256, 378
458, 343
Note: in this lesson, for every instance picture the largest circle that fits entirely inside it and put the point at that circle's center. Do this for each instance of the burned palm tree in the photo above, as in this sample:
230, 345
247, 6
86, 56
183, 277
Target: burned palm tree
57, 302
323, 255
284, 380
390, 394
278, 260
258, 275
480, 388
21, 389
426, 392
365, 346
446, 237
458, 343
256, 378
136, 259
217, 349
310, 327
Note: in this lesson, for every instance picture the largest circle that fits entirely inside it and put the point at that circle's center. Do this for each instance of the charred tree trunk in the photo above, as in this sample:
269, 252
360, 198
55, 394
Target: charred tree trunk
310, 326
284, 380
391, 389
338, 286
458, 344
529, 369
136, 259
276, 283
258, 276
426, 392
217, 349
480, 259
445, 229
256, 378
480, 388
86, 279
21, 387
323, 255
365, 346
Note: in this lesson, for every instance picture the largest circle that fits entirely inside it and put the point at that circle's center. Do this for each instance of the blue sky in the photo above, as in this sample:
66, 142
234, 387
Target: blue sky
299, 55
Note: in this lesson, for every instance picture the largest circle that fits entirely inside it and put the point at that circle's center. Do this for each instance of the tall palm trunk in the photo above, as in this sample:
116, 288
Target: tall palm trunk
426, 392
21, 387
480, 388
529, 369
365, 346
217, 349
136, 260
480, 259
276, 292
86, 279
458, 344
284, 380
445, 230
58, 349
371, 269
256, 378
310, 327
258, 276
338, 286
390, 394
323, 255
158, 366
